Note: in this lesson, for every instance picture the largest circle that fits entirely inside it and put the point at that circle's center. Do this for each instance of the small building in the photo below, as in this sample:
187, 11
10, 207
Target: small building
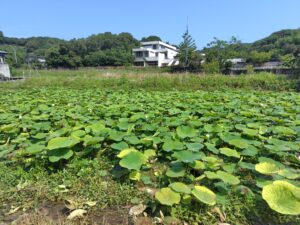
237, 62
155, 53
4, 68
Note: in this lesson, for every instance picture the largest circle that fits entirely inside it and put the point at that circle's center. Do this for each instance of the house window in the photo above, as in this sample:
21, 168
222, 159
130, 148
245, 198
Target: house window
146, 54
154, 46
139, 54
139, 63
156, 54
152, 63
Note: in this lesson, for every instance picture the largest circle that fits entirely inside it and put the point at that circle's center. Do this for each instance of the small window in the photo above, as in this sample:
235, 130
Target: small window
146, 54
154, 46
156, 54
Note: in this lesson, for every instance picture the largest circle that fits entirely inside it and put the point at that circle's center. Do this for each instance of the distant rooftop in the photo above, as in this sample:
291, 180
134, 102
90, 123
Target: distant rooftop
158, 43
3, 52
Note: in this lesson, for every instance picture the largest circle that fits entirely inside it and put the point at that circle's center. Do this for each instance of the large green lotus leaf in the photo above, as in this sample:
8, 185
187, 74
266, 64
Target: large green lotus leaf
246, 165
230, 152
228, 178
239, 143
124, 125
133, 161
78, 134
225, 177
264, 159
212, 128
116, 136
187, 156
284, 130
170, 145
167, 197
194, 146
250, 132
88, 141
211, 175
62, 142
59, 154
133, 140
176, 170
180, 187
40, 136
267, 168
197, 165
8, 128
261, 182
186, 131
288, 174
125, 152
250, 151
203, 194
98, 128
282, 197
212, 148
35, 149
119, 146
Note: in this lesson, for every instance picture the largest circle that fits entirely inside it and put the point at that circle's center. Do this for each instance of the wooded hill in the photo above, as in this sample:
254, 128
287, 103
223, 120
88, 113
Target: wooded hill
109, 49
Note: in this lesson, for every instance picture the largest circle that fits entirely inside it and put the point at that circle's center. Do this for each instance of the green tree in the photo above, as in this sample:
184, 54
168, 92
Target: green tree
256, 57
1, 37
187, 50
151, 38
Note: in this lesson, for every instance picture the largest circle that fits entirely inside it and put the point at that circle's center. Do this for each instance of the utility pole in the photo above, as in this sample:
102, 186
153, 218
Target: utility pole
15, 54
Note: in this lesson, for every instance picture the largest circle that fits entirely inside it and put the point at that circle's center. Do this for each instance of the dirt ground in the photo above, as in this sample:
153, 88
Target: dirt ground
56, 214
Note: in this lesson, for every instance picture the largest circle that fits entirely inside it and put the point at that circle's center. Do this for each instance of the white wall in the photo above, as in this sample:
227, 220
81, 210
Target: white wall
4, 70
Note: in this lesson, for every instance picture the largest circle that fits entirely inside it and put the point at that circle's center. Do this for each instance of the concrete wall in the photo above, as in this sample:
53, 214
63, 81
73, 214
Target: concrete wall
4, 70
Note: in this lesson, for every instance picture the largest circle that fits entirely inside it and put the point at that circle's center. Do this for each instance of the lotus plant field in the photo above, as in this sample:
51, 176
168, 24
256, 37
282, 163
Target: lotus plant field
186, 146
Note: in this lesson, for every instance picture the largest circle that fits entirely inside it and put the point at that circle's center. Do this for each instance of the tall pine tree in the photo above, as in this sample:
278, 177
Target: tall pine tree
187, 49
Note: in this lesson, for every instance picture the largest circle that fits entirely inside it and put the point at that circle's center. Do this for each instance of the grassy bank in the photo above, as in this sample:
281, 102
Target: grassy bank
149, 80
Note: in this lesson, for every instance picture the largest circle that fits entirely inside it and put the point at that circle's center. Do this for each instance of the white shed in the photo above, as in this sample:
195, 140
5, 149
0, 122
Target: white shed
4, 68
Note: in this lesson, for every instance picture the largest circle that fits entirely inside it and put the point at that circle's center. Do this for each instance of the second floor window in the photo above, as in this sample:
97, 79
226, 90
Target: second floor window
139, 54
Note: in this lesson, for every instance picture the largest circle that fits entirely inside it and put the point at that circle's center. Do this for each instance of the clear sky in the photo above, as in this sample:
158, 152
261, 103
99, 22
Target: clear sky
249, 20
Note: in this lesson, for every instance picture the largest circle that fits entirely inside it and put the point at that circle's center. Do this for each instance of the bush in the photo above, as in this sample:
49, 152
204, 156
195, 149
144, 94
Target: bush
211, 67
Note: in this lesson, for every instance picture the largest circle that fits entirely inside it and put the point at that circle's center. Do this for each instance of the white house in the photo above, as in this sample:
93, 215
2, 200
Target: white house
155, 53
4, 68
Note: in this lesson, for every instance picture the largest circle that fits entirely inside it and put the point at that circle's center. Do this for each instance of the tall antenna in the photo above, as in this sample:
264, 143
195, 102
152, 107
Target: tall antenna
186, 44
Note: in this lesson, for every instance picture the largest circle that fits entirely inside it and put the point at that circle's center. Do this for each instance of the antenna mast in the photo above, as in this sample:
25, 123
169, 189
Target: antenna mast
186, 44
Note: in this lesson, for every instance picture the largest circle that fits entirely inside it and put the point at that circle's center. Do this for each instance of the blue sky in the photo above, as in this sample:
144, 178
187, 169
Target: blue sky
249, 20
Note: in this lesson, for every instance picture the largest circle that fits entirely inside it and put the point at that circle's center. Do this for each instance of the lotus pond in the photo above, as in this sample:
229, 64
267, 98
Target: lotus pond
183, 147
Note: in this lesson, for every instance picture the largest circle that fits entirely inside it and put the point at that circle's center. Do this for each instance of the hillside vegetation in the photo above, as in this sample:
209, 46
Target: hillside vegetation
109, 49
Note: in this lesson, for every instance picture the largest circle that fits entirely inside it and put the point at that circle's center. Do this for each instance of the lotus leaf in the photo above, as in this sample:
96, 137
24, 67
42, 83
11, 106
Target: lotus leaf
230, 152
187, 156
284, 130
282, 197
180, 188
186, 131
62, 142
133, 160
170, 145
267, 168
176, 170
35, 149
203, 194
167, 197
59, 154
